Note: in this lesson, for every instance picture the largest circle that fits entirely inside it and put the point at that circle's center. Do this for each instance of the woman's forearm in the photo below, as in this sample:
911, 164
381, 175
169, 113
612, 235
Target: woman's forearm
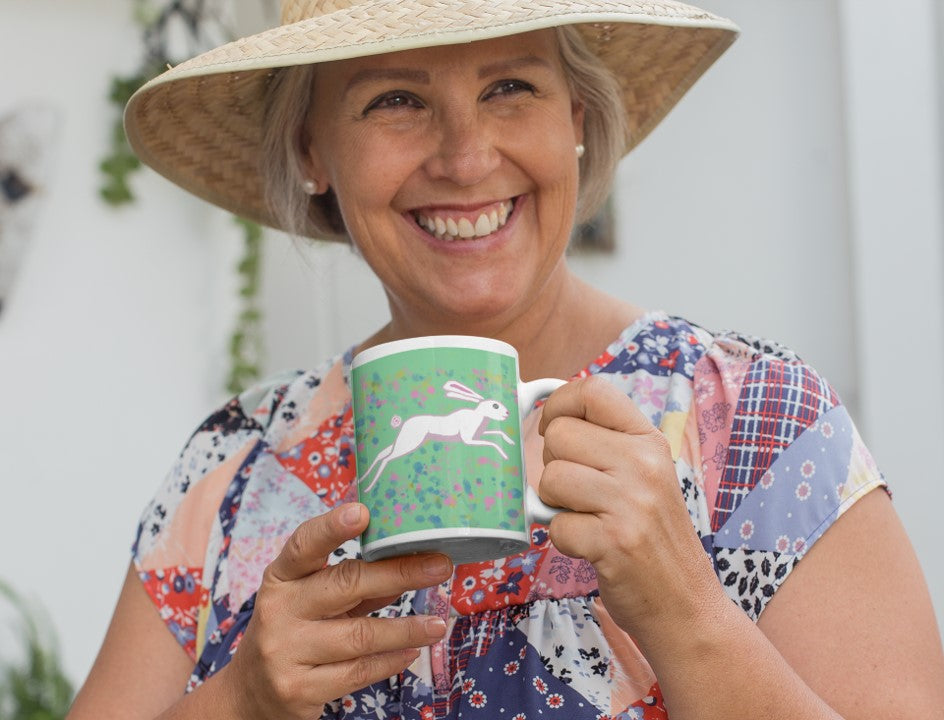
722, 665
215, 699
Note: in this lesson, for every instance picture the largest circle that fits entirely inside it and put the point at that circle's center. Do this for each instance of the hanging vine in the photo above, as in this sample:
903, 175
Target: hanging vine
245, 344
171, 31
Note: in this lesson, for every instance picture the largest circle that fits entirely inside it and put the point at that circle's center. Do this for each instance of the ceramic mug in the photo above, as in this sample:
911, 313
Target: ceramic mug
437, 430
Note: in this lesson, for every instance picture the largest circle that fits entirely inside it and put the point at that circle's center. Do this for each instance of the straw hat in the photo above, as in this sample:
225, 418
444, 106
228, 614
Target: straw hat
200, 123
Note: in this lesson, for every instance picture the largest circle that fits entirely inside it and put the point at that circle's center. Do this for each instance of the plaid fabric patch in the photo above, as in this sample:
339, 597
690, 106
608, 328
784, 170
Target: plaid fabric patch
778, 401
471, 639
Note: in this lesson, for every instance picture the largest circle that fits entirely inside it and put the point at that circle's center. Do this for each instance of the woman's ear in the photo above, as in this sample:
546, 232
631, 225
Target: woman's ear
310, 166
577, 112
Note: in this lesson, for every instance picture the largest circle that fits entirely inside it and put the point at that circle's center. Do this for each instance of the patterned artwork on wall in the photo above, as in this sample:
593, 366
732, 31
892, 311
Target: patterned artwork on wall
27, 148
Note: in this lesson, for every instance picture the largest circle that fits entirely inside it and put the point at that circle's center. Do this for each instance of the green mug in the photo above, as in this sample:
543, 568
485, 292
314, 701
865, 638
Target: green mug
440, 466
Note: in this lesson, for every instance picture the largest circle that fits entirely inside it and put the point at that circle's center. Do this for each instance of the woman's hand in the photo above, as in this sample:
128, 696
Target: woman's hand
309, 641
607, 463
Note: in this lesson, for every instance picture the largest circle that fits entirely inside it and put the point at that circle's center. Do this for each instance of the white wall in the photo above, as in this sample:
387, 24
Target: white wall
893, 102
105, 363
732, 211
110, 351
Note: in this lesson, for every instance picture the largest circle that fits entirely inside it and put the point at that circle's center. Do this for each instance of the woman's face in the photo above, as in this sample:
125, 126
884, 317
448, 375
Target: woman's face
455, 170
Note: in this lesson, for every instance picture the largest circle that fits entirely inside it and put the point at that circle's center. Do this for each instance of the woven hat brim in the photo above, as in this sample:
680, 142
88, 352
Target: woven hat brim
200, 124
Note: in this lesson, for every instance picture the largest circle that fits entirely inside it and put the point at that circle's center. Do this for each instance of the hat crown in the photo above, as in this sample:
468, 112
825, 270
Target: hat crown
294, 11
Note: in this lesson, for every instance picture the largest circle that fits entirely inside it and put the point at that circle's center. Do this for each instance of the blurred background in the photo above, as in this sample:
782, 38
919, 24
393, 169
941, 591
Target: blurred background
795, 193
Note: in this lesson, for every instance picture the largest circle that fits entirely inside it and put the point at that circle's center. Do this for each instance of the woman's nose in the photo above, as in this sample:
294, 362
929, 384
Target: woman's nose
464, 152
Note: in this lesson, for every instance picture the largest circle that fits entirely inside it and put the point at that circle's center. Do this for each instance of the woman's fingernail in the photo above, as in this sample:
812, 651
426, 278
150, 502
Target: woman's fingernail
435, 626
437, 566
351, 515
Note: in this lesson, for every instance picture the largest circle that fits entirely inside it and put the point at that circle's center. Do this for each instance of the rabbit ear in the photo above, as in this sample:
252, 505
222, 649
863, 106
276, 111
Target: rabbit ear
459, 391
460, 396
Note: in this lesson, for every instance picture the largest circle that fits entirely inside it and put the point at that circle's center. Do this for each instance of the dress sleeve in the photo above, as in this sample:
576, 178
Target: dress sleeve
172, 550
788, 462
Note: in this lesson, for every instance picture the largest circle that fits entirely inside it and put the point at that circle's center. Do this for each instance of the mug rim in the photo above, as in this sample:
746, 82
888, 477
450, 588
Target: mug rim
431, 342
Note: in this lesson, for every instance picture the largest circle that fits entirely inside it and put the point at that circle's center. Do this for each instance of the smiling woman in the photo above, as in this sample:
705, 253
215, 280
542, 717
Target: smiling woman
727, 527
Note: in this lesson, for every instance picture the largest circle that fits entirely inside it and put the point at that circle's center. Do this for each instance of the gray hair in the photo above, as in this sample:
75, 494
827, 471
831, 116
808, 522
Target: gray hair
288, 103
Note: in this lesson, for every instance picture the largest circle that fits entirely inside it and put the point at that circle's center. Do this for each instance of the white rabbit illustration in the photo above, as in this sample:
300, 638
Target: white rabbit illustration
464, 425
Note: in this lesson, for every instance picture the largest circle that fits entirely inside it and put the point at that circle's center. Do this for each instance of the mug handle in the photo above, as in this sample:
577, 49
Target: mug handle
529, 393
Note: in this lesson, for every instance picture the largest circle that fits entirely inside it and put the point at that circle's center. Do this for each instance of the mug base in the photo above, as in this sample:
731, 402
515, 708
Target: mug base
462, 545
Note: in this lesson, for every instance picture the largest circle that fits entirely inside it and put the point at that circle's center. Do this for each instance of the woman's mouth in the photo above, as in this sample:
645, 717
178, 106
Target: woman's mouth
450, 225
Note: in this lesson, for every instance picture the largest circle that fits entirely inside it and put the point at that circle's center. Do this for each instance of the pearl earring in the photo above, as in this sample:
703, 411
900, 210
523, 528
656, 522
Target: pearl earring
581, 150
310, 187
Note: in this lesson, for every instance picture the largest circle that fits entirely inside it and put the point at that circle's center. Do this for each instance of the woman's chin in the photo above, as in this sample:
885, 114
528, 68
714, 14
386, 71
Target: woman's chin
496, 297
463, 308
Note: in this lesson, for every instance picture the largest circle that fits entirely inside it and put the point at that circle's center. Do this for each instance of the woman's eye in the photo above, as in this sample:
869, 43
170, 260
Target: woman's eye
510, 87
393, 101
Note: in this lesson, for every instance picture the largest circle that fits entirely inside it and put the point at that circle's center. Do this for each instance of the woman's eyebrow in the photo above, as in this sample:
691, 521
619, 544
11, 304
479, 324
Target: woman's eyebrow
373, 74
422, 77
505, 66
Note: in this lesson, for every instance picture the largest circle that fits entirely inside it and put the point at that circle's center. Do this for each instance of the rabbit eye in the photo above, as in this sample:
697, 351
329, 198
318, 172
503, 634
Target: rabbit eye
495, 405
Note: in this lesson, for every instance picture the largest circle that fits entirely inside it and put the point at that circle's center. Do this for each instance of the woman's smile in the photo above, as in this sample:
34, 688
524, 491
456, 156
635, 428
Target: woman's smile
453, 223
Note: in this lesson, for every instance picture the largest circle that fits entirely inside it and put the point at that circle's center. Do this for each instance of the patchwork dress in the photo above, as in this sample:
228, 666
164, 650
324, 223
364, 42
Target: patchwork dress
766, 456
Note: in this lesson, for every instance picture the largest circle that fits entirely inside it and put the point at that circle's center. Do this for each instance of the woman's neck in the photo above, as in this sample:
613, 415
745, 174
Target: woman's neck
556, 334
572, 332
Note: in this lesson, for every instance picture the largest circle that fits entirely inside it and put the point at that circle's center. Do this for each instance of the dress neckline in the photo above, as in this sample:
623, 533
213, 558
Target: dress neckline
625, 337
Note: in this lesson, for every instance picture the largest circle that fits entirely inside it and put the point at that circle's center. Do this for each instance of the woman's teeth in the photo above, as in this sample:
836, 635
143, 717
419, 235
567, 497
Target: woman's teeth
448, 228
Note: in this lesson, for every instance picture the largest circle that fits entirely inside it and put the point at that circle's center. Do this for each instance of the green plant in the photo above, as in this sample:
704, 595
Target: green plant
120, 163
34, 688
245, 343
155, 21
